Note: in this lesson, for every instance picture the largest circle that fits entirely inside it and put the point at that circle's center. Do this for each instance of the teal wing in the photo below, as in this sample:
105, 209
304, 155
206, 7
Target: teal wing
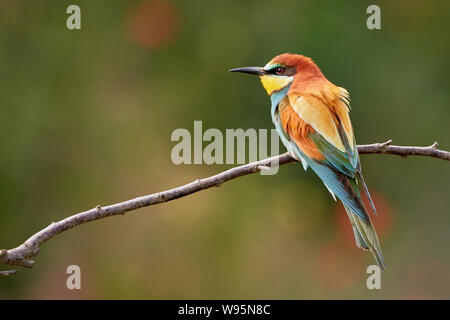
346, 162
340, 172
340, 181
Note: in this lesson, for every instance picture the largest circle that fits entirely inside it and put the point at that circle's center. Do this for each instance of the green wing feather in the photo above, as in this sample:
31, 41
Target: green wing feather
340, 172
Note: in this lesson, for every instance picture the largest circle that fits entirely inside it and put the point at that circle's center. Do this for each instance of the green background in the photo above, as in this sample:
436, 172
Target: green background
87, 115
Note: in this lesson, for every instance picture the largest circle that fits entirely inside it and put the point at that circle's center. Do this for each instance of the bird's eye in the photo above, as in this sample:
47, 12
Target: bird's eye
279, 70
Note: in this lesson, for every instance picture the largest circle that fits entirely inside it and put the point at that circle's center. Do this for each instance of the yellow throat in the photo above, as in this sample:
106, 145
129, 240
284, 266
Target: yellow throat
273, 83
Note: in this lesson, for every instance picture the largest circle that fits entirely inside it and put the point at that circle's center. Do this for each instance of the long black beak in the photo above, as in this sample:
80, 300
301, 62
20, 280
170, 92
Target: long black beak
251, 70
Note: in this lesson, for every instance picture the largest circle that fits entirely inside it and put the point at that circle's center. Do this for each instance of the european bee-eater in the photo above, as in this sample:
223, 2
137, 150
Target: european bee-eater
311, 115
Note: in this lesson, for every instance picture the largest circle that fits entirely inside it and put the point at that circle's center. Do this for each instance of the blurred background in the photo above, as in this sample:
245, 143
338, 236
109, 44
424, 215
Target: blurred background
87, 115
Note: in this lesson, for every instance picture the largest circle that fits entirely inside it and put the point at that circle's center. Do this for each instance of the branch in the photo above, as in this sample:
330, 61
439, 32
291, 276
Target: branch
21, 255
386, 147
7, 272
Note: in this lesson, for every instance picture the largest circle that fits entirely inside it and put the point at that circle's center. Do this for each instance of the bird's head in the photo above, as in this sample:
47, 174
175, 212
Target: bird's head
282, 70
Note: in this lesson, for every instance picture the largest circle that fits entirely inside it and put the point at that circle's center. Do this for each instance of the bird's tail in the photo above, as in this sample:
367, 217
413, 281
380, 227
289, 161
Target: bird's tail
366, 236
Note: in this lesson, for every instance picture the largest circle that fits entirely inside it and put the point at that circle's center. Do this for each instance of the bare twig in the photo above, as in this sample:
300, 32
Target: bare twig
386, 147
7, 272
30, 248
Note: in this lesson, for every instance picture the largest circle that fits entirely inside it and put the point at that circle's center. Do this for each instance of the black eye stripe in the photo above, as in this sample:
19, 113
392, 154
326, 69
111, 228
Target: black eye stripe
286, 71
277, 70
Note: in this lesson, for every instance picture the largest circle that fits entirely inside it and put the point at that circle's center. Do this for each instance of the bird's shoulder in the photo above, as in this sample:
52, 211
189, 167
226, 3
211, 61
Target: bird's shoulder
326, 108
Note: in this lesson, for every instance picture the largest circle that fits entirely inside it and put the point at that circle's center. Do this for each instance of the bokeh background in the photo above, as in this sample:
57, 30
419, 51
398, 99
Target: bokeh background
87, 115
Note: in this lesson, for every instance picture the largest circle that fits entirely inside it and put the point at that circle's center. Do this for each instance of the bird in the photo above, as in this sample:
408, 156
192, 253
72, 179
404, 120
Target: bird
311, 116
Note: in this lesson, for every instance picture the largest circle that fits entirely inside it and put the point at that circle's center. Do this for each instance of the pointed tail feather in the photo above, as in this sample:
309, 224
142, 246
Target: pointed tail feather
366, 190
366, 237
358, 238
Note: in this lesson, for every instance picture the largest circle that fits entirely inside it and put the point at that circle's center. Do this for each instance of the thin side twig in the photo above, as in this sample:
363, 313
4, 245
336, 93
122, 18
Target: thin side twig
7, 272
404, 151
